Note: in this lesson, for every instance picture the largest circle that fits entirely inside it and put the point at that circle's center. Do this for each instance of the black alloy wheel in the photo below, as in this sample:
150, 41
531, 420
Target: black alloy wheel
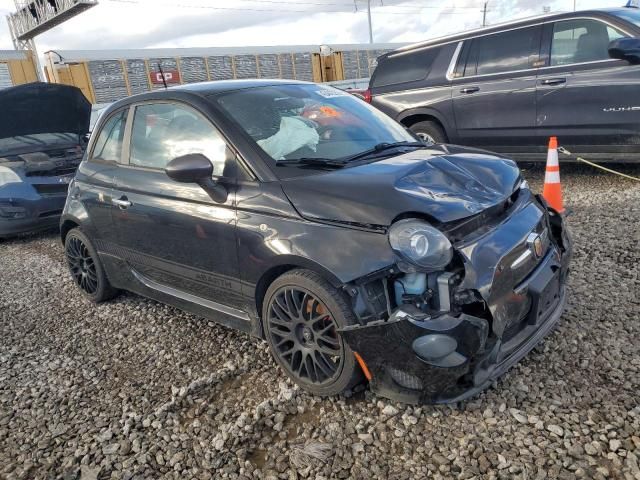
302, 317
85, 267
304, 335
81, 265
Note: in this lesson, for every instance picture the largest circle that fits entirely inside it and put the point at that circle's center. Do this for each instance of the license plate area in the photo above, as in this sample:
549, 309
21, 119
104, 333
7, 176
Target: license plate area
548, 298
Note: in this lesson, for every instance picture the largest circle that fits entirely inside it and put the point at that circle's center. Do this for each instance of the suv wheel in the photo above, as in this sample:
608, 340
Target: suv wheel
429, 132
85, 267
302, 313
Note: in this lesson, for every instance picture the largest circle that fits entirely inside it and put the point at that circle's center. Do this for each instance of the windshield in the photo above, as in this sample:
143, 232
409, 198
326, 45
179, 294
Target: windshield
292, 122
630, 15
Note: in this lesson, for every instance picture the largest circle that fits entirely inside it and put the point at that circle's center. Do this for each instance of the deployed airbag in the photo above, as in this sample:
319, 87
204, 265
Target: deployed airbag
294, 134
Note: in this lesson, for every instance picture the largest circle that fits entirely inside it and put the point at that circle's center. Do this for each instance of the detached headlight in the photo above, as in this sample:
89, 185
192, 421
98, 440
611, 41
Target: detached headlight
8, 176
420, 244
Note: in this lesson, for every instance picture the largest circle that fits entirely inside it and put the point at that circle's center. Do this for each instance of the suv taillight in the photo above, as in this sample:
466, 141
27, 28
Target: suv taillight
366, 95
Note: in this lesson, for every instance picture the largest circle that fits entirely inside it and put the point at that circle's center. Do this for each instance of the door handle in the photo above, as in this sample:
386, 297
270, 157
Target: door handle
470, 89
553, 81
121, 202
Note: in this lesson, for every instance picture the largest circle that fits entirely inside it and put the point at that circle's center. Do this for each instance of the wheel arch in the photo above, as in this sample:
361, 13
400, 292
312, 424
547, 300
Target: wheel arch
286, 264
409, 117
66, 226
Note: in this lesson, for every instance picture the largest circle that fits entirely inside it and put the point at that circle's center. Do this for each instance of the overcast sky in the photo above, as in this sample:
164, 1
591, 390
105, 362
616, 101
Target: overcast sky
205, 23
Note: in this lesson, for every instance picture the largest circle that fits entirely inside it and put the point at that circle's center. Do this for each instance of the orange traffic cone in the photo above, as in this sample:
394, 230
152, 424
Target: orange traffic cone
552, 191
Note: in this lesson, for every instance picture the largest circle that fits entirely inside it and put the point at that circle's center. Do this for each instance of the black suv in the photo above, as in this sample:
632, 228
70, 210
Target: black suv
508, 88
300, 214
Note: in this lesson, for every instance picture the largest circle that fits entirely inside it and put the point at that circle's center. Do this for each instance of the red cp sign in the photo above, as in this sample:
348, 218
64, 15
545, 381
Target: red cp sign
170, 76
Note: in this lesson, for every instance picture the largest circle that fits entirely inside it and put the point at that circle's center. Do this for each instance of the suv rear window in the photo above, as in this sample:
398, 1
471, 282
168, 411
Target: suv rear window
403, 67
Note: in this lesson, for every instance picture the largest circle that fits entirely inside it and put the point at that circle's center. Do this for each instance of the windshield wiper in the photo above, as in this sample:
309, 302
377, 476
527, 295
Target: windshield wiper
311, 162
381, 147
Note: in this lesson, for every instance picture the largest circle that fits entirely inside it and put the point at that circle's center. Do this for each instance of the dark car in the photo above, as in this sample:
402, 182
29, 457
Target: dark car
508, 88
302, 215
42, 141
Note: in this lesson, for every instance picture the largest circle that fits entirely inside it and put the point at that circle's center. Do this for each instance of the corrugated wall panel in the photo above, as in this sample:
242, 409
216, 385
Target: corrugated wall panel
269, 65
286, 65
350, 64
220, 67
304, 69
246, 66
193, 69
108, 82
5, 76
137, 73
363, 63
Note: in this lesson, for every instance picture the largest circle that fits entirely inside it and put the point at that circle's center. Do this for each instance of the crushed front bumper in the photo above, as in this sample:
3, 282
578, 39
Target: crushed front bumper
449, 358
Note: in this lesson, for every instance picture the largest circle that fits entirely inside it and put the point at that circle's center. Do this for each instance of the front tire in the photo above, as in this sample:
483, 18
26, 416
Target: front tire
302, 313
85, 267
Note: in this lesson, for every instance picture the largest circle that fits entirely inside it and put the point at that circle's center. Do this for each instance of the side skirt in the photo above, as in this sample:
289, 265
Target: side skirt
122, 276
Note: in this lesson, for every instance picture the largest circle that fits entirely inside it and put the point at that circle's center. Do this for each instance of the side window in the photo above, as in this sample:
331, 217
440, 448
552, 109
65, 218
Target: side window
507, 51
108, 146
164, 131
582, 40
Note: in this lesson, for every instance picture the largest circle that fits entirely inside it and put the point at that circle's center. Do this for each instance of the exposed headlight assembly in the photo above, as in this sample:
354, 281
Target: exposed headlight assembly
8, 176
420, 244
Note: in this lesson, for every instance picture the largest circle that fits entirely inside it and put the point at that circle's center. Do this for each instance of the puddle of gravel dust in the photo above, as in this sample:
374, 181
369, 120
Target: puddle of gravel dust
258, 457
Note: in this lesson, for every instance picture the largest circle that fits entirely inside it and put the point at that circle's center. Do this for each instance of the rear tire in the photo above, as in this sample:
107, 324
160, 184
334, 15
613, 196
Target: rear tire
85, 267
301, 314
429, 132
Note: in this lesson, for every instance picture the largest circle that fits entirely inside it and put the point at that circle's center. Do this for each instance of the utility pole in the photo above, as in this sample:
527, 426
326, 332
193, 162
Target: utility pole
369, 15
484, 14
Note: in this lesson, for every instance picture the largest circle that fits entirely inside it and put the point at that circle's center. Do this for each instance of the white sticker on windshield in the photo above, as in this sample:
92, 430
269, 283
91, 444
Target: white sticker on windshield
330, 92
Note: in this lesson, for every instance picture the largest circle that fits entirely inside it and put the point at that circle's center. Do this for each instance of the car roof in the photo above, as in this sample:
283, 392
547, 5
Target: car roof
217, 86
521, 22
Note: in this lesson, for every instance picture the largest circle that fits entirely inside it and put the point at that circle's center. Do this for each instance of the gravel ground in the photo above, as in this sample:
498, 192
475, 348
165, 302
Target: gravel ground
136, 389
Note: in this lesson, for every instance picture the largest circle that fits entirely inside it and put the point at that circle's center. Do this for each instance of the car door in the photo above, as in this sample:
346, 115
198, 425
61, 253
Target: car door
493, 90
173, 236
584, 97
93, 183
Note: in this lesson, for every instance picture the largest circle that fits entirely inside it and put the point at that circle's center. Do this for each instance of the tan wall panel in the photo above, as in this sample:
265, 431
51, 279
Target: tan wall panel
16, 71
80, 78
318, 71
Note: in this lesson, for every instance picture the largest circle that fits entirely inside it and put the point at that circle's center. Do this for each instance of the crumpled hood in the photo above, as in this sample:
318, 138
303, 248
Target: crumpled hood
39, 107
445, 182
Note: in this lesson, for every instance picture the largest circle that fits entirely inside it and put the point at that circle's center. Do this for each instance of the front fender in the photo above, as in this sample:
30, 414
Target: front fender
339, 254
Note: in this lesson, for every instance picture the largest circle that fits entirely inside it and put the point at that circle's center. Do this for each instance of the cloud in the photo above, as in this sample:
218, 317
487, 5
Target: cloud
155, 23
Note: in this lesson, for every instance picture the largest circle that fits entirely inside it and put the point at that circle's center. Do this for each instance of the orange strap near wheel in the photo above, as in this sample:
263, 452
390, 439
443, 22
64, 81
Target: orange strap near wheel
363, 365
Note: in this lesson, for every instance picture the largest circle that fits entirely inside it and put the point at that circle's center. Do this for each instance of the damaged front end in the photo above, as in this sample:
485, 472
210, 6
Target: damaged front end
442, 335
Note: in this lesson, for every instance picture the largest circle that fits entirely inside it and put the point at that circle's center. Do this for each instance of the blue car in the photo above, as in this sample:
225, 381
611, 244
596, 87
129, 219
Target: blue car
43, 130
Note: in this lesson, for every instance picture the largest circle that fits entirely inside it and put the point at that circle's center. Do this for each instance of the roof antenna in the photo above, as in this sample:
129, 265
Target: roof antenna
164, 80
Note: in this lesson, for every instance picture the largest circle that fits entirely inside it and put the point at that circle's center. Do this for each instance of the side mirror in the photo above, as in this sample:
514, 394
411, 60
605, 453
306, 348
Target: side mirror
196, 168
625, 49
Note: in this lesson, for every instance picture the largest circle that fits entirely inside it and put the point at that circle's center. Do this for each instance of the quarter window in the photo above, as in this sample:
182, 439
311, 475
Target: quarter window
164, 131
404, 67
507, 51
582, 40
109, 143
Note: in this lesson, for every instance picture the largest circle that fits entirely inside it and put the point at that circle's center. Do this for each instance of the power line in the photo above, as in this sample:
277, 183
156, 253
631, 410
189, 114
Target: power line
251, 9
